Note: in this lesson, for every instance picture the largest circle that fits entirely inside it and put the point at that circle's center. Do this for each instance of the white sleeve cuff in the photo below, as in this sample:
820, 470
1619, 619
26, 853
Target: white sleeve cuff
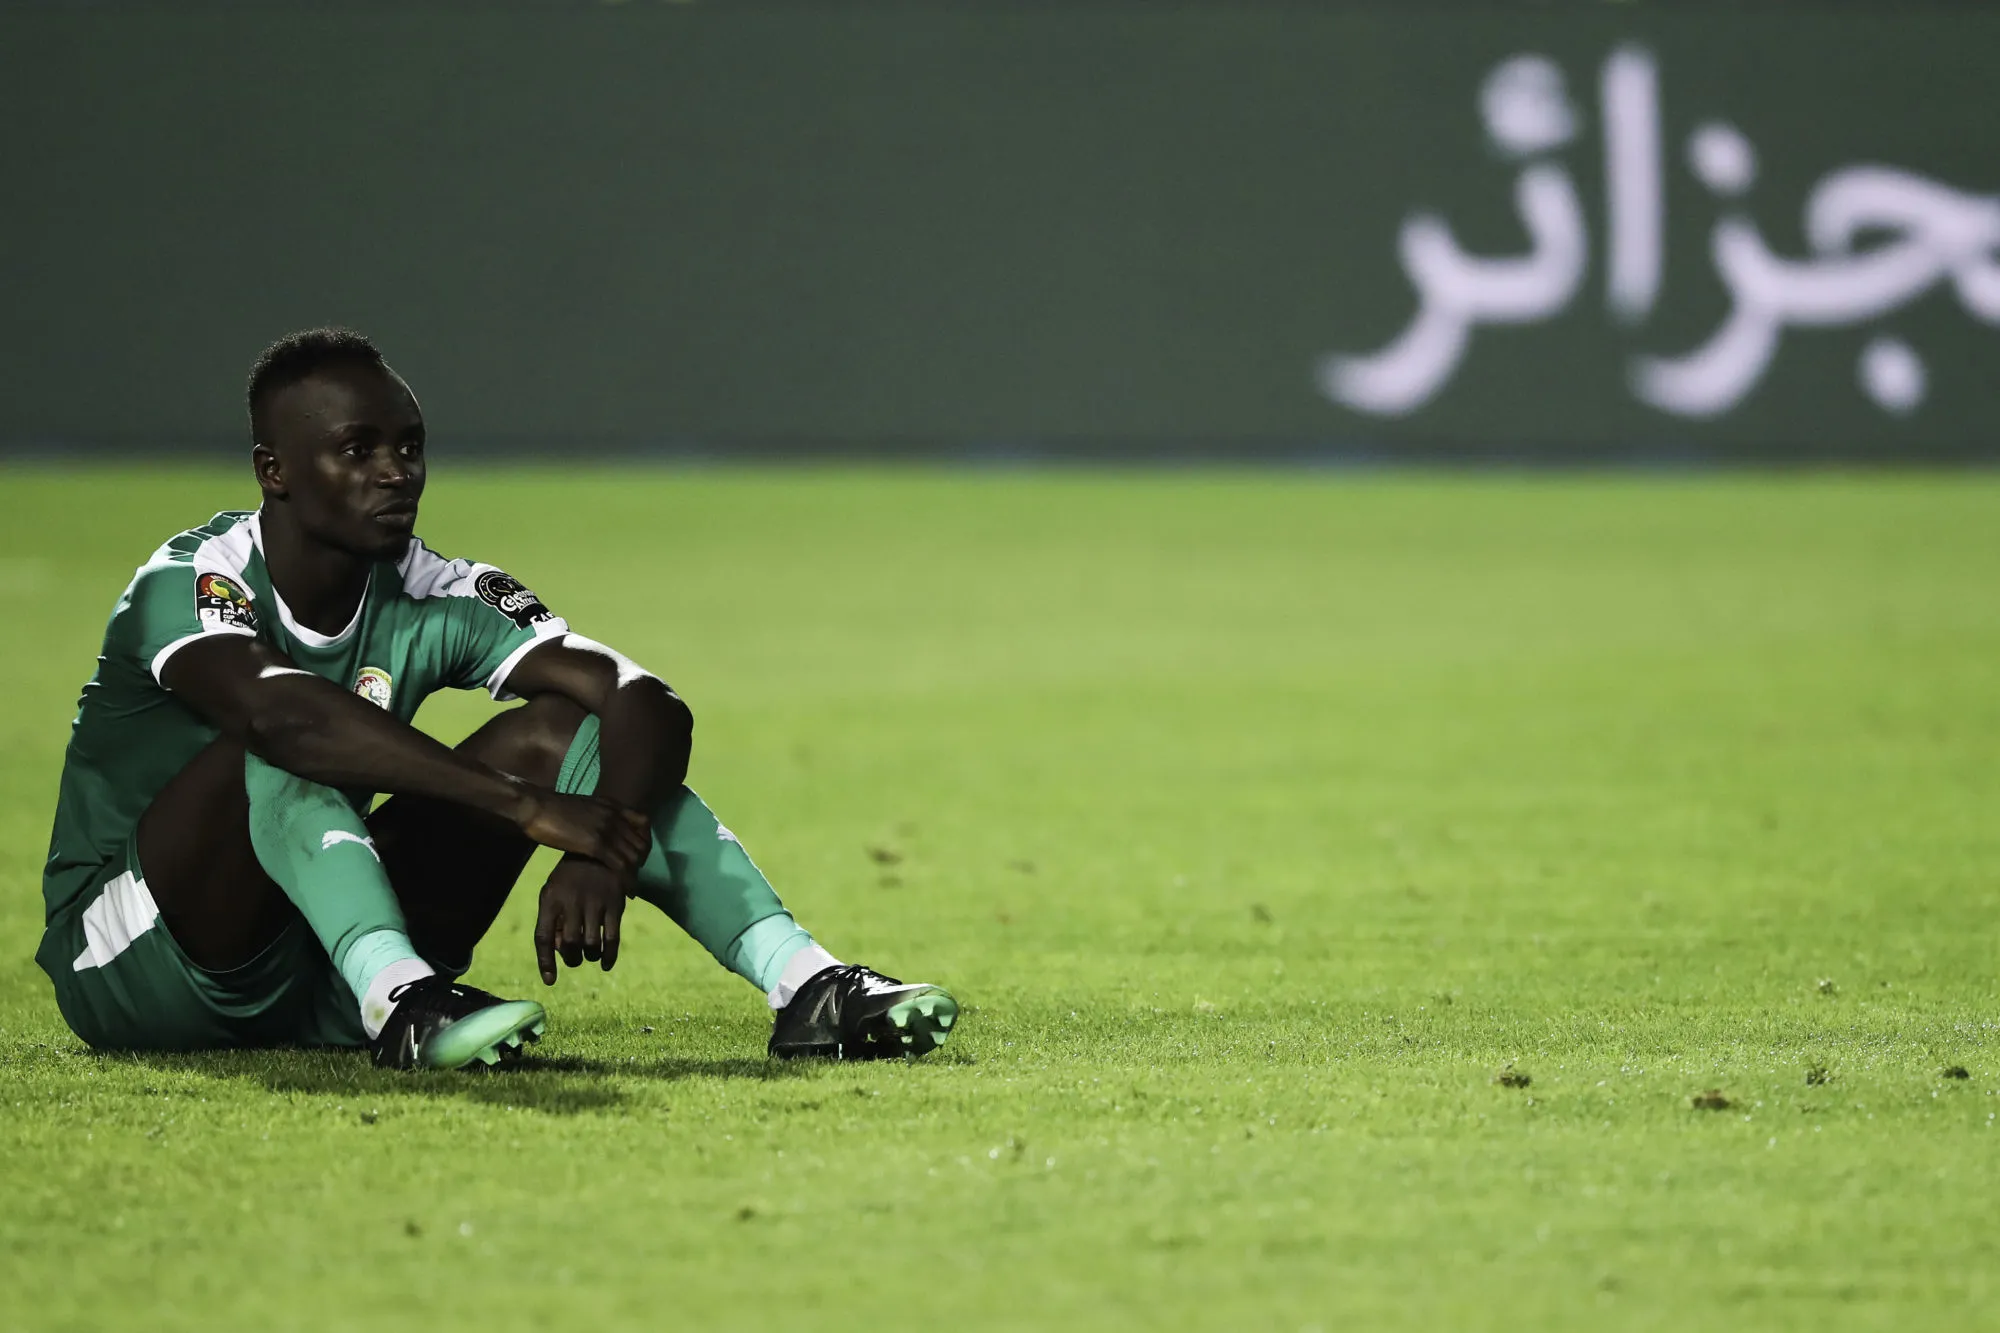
159, 662
496, 684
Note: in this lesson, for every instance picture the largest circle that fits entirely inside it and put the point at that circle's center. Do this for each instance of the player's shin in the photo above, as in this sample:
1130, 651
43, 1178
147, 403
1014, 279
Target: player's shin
315, 845
699, 875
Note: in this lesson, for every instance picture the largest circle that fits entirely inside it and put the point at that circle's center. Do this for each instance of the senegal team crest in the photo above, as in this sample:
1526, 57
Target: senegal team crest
221, 602
373, 684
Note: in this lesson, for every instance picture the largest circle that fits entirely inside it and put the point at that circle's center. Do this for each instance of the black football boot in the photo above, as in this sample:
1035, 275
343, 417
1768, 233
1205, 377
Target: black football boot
856, 1013
439, 1024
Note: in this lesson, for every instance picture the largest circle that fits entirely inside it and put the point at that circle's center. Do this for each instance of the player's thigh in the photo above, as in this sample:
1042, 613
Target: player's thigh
123, 982
201, 869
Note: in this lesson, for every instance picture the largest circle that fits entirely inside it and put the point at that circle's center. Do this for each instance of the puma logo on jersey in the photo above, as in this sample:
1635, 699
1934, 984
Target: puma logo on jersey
334, 837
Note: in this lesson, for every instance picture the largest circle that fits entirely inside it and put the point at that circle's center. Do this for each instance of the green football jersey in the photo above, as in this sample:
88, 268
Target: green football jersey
424, 624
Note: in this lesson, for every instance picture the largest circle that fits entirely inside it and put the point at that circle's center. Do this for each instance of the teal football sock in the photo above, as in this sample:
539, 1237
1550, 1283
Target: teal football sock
699, 875
315, 845
761, 952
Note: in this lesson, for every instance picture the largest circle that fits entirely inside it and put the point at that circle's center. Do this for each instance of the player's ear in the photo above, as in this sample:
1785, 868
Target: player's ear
270, 472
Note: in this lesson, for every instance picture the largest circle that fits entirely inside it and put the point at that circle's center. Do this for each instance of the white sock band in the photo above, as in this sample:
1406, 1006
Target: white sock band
806, 964
376, 1004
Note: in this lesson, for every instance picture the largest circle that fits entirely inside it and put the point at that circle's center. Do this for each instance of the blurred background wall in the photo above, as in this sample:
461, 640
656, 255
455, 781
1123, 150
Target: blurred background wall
1096, 229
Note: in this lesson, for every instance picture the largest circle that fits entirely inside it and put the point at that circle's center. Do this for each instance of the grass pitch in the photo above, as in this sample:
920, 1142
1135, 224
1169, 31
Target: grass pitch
1358, 887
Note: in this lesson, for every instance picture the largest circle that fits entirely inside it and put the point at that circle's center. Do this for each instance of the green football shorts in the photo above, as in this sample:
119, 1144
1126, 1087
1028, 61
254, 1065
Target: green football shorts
122, 982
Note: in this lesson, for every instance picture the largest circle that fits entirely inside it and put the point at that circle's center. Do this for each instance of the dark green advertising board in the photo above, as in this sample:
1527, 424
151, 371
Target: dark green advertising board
1096, 230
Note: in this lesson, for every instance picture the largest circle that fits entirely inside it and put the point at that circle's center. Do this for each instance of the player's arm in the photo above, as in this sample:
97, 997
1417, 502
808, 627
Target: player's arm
645, 733
311, 727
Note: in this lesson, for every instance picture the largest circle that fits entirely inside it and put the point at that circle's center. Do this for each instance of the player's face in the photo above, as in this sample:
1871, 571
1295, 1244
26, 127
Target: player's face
348, 443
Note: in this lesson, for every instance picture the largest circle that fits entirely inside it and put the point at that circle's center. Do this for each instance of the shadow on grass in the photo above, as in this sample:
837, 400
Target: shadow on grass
561, 1085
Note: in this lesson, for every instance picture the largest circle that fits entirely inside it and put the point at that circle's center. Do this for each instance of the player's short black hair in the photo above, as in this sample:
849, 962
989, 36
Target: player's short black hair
297, 355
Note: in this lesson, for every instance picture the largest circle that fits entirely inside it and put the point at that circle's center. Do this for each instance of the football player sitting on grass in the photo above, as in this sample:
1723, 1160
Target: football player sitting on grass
216, 877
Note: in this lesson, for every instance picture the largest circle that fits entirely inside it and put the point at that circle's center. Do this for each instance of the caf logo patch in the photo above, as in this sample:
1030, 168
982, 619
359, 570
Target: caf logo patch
374, 685
221, 601
504, 593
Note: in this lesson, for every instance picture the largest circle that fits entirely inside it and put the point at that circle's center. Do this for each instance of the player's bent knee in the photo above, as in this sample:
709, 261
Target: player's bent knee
529, 741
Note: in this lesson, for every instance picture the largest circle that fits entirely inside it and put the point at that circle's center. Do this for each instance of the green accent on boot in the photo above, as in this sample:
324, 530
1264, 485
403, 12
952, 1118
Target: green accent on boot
924, 1020
491, 1036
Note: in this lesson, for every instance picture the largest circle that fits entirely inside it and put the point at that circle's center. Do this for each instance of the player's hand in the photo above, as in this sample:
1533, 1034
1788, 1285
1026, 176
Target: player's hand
582, 904
588, 826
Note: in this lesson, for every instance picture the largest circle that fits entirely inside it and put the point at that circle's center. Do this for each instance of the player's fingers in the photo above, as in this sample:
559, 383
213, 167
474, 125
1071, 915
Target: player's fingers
569, 940
593, 932
545, 947
613, 915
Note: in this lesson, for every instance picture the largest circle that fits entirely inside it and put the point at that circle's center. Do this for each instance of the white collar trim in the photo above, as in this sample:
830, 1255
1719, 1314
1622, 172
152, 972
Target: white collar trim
311, 638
